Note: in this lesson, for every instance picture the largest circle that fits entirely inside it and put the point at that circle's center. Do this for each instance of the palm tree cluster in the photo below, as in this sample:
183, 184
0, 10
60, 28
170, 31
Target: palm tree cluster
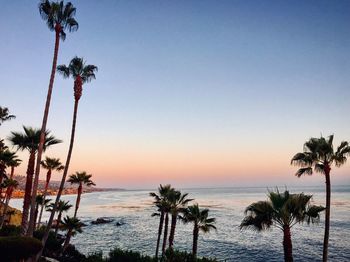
60, 18
171, 202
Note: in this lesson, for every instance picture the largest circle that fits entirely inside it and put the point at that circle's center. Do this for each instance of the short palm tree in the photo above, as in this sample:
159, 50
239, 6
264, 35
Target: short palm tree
81, 74
13, 163
59, 17
6, 156
282, 210
163, 206
178, 203
63, 206
29, 140
5, 115
80, 178
41, 202
51, 164
319, 156
73, 226
10, 185
199, 218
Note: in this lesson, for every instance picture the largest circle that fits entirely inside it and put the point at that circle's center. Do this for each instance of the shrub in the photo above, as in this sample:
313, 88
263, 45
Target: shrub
95, 257
182, 256
71, 255
10, 230
14, 248
53, 244
119, 255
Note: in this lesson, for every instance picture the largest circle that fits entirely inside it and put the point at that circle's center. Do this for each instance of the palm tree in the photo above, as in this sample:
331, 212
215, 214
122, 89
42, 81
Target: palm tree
14, 162
81, 74
6, 156
178, 203
201, 222
73, 226
160, 201
5, 115
282, 210
319, 156
10, 185
29, 140
40, 202
63, 206
51, 164
80, 178
58, 17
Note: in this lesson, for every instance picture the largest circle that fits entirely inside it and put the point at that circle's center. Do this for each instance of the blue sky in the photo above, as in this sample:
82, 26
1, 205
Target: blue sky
225, 89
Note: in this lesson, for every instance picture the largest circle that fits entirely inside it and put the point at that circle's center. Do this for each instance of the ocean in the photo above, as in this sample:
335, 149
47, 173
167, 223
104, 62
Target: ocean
138, 232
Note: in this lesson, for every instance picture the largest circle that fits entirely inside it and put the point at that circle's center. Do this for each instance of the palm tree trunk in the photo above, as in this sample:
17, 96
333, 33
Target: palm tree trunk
287, 244
66, 242
172, 230
165, 232
43, 129
161, 221
27, 194
48, 177
58, 222
328, 213
12, 172
80, 190
36, 213
195, 241
65, 172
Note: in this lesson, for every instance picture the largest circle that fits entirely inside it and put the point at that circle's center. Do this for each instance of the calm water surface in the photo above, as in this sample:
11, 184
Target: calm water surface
139, 231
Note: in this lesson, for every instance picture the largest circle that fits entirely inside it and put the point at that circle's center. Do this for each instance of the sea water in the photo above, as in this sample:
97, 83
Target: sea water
137, 229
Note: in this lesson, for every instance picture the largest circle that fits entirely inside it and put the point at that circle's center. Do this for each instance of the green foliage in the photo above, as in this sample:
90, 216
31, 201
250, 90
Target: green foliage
182, 256
10, 230
71, 254
119, 255
14, 248
95, 257
53, 244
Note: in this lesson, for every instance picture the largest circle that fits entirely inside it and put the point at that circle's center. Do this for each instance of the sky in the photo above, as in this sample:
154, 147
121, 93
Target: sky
192, 93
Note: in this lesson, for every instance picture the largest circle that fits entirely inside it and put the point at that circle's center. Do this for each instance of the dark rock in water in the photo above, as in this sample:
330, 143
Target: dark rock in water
119, 223
101, 220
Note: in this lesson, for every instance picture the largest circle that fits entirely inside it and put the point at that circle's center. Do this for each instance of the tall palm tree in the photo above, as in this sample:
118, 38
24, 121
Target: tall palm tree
10, 185
201, 222
5, 115
29, 140
282, 210
161, 202
81, 74
63, 206
51, 164
319, 156
80, 178
178, 203
73, 226
59, 17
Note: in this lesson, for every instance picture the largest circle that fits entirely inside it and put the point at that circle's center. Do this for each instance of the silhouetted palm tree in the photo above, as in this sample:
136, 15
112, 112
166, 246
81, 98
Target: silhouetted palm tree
81, 74
5, 115
162, 204
178, 203
10, 185
51, 164
14, 162
73, 226
63, 206
319, 156
29, 140
59, 17
201, 222
6, 157
282, 210
40, 202
80, 178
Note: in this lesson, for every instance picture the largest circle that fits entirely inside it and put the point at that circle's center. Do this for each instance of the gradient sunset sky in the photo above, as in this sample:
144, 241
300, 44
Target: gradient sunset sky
192, 93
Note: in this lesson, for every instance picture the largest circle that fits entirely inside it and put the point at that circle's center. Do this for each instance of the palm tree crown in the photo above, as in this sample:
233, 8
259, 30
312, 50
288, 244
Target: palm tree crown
319, 155
52, 164
81, 178
29, 140
199, 217
80, 72
5, 115
59, 16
